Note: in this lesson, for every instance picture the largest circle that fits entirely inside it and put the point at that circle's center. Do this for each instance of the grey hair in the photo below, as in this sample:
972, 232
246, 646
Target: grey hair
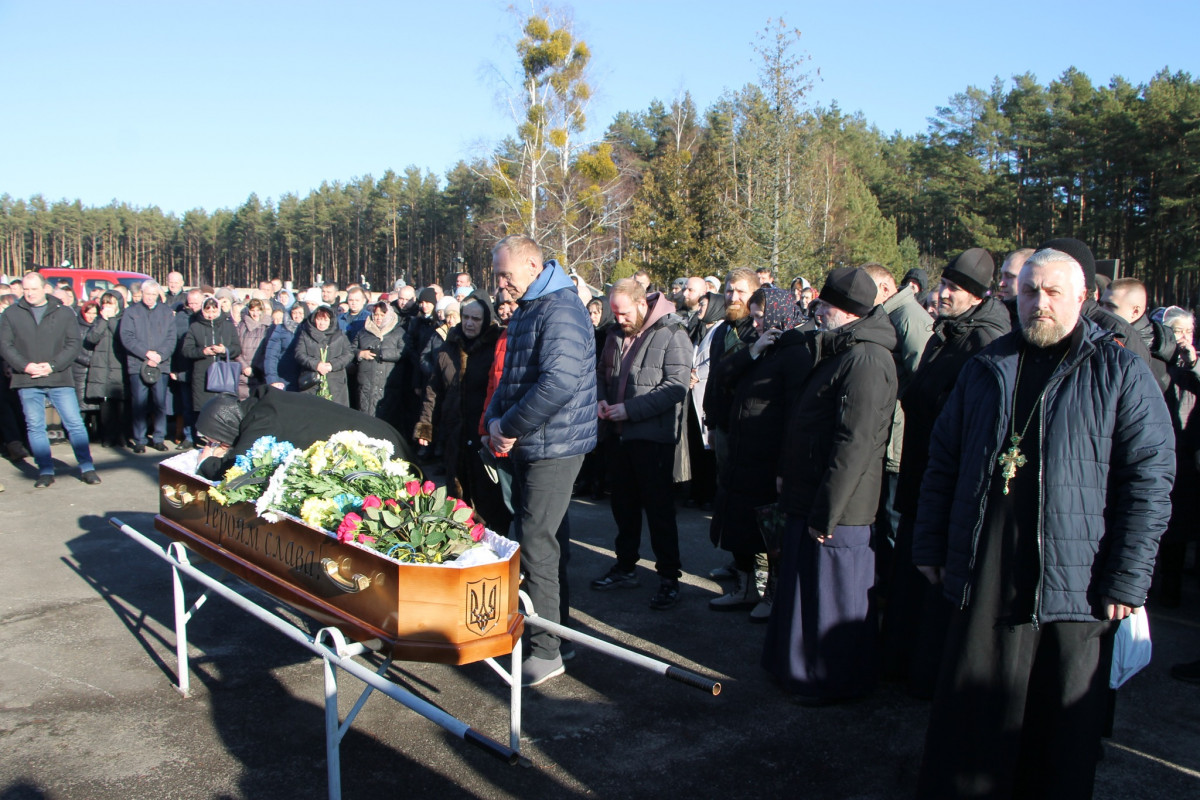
1051, 256
1175, 314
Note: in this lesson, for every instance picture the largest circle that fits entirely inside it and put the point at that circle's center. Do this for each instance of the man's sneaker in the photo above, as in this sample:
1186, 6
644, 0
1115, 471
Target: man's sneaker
1189, 672
90, 477
762, 611
725, 573
186, 444
43, 481
139, 448
616, 578
159, 446
536, 670
667, 595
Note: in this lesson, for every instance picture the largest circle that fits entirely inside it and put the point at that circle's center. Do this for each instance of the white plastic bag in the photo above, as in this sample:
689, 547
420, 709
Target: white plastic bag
1131, 648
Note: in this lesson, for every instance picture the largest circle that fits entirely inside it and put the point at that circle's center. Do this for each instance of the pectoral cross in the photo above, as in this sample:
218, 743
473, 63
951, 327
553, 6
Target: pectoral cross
1010, 460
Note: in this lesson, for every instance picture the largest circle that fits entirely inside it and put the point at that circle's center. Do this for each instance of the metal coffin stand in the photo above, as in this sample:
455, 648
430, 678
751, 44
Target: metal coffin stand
336, 652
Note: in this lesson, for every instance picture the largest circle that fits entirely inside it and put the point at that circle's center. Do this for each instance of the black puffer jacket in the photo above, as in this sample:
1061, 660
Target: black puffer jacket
1161, 344
82, 361
832, 461
379, 378
758, 419
955, 340
1108, 460
309, 342
204, 333
106, 373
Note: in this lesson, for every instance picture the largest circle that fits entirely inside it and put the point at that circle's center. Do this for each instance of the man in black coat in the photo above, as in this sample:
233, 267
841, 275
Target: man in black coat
1126, 297
968, 320
232, 426
39, 340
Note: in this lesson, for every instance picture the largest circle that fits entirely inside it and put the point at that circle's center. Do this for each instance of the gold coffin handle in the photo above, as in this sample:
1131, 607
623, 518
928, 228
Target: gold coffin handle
332, 568
179, 496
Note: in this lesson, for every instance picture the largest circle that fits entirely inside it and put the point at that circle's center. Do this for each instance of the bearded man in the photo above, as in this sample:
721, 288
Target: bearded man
642, 380
1047, 491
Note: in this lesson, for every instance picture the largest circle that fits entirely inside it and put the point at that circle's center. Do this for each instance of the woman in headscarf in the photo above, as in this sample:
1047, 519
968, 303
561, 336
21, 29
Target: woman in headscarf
105, 384
252, 335
765, 375
210, 337
323, 350
454, 403
88, 314
379, 348
279, 359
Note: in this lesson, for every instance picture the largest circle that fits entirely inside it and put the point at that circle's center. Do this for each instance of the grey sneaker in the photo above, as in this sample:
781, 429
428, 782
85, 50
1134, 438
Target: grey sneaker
667, 595
616, 578
725, 573
536, 670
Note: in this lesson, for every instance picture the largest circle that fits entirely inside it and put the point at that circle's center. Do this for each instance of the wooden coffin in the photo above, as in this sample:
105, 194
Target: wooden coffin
443, 614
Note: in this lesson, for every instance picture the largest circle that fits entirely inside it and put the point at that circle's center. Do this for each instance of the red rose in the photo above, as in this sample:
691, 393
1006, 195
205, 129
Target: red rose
477, 532
350, 523
428, 487
458, 504
390, 503
413, 488
371, 501
362, 537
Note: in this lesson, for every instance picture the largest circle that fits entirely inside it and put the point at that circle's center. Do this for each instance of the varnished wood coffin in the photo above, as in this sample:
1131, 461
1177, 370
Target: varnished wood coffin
442, 614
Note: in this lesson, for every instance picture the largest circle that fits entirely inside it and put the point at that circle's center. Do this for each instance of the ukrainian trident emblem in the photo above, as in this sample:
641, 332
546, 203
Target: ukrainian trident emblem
483, 605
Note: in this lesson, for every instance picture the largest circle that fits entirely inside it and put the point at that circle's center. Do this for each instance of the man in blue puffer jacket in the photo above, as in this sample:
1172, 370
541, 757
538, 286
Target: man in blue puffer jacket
1047, 490
543, 414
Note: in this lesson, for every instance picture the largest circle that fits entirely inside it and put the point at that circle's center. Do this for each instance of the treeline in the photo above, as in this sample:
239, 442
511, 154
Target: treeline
758, 178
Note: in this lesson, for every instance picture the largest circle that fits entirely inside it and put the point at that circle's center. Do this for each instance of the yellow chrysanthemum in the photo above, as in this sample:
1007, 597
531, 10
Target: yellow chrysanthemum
220, 498
318, 511
234, 472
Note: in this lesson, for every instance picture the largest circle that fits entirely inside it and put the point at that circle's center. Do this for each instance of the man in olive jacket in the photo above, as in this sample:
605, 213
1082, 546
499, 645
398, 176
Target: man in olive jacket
39, 339
643, 379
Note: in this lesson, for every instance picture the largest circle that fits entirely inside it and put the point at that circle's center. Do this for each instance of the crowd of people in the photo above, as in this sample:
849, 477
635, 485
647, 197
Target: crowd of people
960, 486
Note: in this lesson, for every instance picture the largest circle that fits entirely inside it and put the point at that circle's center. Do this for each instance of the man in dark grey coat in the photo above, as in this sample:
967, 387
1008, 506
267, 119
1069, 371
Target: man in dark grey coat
39, 339
148, 334
1047, 490
643, 380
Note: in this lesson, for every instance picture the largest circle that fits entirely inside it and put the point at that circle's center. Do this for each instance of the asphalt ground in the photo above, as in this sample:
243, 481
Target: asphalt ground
88, 708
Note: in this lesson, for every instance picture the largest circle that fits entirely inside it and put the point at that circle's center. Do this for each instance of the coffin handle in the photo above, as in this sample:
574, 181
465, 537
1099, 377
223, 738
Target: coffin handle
358, 583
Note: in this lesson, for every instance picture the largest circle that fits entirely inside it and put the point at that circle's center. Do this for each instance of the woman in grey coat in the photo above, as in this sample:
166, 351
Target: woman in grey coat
322, 349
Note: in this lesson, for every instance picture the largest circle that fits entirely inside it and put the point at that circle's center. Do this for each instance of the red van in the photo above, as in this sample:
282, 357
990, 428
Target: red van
83, 281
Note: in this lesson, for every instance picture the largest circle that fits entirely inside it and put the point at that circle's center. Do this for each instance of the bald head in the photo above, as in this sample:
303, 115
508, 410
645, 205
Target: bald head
883, 279
695, 289
1125, 297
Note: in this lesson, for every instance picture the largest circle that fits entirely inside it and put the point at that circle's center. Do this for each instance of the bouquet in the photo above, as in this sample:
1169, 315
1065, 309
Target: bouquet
323, 378
425, 526
247, 478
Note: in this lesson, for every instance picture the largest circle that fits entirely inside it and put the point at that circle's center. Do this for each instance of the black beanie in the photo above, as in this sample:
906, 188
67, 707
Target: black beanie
917, 274
1078, 251
851, 289
221, 419
972, 270
427, 295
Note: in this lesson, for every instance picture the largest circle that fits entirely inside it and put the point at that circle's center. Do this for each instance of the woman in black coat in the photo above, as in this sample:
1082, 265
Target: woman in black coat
454, 401
379, 348
211, 336
322, 349
105, 383
764, 375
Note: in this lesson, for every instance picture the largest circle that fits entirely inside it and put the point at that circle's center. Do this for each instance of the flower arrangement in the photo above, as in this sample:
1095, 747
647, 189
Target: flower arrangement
247, 478
426, 526
351, 484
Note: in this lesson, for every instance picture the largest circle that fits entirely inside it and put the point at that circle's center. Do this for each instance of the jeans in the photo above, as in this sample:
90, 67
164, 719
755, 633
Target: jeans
142, 397
64, 400
541, 495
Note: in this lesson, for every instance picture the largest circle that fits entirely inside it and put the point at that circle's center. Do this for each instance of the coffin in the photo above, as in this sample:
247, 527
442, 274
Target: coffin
418, 612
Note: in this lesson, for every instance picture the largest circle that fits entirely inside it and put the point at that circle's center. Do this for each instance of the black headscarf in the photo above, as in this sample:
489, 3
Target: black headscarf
779, 309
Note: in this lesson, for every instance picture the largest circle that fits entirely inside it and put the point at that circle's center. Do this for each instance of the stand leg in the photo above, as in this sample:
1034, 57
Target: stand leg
333, 760
181, 621
514, 698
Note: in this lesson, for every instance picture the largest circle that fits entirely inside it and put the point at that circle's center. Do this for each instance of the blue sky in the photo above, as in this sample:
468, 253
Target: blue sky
198, 103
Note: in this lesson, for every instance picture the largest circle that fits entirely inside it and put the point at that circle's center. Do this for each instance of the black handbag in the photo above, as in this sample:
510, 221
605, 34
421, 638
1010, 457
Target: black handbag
222, 376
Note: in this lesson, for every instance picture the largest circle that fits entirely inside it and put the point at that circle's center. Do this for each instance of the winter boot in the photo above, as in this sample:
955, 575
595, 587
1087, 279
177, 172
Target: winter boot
743, 597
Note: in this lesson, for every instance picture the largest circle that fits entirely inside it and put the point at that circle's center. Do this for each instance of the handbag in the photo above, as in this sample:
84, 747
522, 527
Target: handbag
222, 376
1131, 648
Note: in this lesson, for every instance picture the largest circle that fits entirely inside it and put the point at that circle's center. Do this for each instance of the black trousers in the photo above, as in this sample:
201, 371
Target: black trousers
641, 479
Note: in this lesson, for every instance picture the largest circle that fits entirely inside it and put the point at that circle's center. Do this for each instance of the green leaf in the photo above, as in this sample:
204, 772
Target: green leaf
391, 519
462, 515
